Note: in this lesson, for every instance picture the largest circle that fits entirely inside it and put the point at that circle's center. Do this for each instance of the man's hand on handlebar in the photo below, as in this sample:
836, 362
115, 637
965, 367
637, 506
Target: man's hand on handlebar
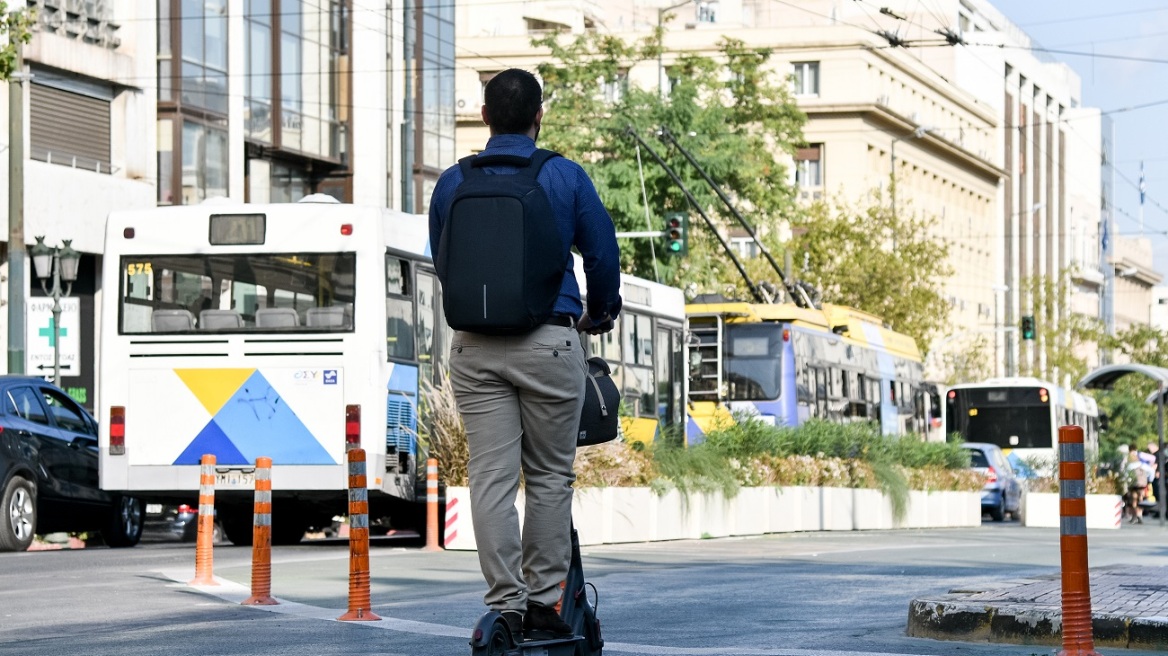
585, 325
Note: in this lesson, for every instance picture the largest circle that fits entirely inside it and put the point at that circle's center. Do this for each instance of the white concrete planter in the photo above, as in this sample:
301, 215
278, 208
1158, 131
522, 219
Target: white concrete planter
612, 515
1041, 509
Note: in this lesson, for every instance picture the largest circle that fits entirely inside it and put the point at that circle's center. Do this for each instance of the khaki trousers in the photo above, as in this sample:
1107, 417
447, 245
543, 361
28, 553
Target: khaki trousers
520, 398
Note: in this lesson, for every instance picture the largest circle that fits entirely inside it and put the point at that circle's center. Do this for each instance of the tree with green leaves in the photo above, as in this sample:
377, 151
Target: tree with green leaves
735, 125
17, 26
876, 260
735, 115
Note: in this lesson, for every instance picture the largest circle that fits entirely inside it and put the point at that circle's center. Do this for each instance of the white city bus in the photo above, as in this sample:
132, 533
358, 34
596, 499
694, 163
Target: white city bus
293, 331
1021, 415
288, 331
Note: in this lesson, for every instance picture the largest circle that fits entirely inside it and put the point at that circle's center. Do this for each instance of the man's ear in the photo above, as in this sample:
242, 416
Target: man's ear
483, 111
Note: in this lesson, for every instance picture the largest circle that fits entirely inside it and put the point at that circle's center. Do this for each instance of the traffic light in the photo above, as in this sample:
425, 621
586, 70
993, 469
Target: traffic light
676, 240
1028, 327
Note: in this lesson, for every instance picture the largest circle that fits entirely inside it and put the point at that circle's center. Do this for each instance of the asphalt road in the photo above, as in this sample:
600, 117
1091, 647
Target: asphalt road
812, 594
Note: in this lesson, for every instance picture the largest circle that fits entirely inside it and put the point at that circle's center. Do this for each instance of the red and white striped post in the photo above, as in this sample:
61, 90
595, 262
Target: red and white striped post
432, 505
359, 597
1078, 634
205, 540
261, 542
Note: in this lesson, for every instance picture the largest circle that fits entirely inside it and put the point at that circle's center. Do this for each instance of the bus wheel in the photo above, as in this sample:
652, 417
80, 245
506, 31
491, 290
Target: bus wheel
239, 528
287, 532
124, 527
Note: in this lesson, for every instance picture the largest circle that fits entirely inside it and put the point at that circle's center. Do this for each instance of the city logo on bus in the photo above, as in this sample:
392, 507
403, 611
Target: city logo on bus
330, 376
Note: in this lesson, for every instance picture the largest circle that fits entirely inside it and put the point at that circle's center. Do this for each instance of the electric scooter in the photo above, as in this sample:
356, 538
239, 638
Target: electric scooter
492, 636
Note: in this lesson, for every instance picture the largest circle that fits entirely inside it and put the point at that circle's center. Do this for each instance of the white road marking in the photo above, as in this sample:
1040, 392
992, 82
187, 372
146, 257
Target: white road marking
235, 593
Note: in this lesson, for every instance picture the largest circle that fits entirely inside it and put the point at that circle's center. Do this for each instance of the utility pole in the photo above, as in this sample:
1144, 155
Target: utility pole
16, 250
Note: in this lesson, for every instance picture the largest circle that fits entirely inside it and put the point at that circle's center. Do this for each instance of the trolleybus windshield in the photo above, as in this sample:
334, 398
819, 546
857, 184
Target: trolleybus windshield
752, 361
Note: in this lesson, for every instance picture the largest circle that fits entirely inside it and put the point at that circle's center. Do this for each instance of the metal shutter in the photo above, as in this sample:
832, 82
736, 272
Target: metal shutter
69, 128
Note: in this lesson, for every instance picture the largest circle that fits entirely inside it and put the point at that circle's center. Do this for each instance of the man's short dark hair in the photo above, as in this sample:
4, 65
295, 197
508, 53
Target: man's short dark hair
513, 98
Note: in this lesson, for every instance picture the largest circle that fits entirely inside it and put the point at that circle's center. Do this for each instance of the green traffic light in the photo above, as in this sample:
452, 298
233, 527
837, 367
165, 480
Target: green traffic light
675, 246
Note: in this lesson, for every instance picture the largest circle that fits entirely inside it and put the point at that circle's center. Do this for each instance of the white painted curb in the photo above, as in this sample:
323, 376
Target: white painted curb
1041, 509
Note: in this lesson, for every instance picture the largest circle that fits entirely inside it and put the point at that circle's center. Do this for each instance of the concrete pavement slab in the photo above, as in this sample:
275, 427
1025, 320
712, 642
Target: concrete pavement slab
1129, 608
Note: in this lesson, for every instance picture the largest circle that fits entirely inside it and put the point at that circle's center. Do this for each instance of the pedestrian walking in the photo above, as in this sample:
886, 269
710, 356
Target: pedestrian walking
1138, 474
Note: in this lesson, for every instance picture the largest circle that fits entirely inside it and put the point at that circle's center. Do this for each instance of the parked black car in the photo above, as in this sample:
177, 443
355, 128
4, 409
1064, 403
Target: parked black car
48, 470
1002, 493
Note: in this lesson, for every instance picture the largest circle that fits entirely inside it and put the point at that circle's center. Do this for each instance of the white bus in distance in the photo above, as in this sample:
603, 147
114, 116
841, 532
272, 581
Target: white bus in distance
1022, 416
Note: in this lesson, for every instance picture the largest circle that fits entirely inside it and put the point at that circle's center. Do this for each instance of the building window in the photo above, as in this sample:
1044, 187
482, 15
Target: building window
708, 11
289, 184
614, 88
70, 127
257, 36
431, 114
204, 162
204, 54
809, 167
806, 82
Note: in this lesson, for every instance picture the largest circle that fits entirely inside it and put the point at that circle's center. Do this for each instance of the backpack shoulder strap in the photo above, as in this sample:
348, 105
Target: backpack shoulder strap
466, 165
538, 159
472, 164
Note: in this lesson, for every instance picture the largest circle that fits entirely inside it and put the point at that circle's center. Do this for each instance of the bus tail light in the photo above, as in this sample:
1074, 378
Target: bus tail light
346, 229
117, 431
786, 335
992, 476
352, 426
1043, 395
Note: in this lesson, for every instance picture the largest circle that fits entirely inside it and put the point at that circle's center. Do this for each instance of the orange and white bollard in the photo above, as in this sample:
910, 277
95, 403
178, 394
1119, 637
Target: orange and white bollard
359, 602
1078, 634
205, 540
432, 505
261, 542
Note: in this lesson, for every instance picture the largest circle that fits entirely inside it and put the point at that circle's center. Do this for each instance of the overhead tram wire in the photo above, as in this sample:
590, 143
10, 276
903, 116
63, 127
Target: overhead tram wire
755, 290
797, 294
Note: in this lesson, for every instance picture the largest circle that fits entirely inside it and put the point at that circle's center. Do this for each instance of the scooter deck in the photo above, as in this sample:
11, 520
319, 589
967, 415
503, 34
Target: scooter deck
553, 647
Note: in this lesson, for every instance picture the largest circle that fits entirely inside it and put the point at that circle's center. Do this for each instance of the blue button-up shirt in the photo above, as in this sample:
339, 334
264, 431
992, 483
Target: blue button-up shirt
581, 218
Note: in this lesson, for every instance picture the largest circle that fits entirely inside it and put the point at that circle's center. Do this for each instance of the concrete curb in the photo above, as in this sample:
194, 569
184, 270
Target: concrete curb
1133, 613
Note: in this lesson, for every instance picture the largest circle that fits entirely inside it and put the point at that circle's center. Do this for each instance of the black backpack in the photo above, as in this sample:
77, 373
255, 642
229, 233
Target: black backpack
501, 258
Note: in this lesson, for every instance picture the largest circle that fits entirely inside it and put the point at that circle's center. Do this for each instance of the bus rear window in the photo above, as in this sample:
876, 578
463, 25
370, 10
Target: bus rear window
224, 293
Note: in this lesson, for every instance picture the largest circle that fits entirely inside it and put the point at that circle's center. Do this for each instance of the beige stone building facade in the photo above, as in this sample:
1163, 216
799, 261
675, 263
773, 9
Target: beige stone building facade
978, 135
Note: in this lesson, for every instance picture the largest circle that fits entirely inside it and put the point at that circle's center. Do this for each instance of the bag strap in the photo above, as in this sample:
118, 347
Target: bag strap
599, 396
531, 165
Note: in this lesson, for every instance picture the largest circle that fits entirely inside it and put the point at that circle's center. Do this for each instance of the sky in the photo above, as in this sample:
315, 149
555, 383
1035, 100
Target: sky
1127, 28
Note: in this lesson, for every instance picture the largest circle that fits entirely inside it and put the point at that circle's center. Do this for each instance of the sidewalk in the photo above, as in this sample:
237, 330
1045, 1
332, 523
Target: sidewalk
1129, 607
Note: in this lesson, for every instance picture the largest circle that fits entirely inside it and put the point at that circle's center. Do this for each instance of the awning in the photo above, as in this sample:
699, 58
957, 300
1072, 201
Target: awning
1105, 377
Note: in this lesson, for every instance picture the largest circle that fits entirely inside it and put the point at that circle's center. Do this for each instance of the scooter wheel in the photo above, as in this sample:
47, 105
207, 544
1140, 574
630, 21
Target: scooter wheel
498, 641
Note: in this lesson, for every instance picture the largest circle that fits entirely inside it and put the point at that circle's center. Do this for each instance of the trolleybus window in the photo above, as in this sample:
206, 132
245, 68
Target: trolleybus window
752, 362
237, 292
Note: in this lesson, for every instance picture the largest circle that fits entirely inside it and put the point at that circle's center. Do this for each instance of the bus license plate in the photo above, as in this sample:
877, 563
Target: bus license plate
234, 478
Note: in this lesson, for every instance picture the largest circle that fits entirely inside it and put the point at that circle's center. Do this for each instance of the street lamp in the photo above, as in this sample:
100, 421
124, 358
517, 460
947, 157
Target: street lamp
919, 132
60, 264
661, 49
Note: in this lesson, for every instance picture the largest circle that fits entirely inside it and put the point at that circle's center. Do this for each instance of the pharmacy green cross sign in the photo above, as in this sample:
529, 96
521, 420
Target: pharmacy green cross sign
42, 346
48, 332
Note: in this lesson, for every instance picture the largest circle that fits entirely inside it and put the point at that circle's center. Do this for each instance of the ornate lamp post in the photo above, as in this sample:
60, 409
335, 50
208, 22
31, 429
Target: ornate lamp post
58, 263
